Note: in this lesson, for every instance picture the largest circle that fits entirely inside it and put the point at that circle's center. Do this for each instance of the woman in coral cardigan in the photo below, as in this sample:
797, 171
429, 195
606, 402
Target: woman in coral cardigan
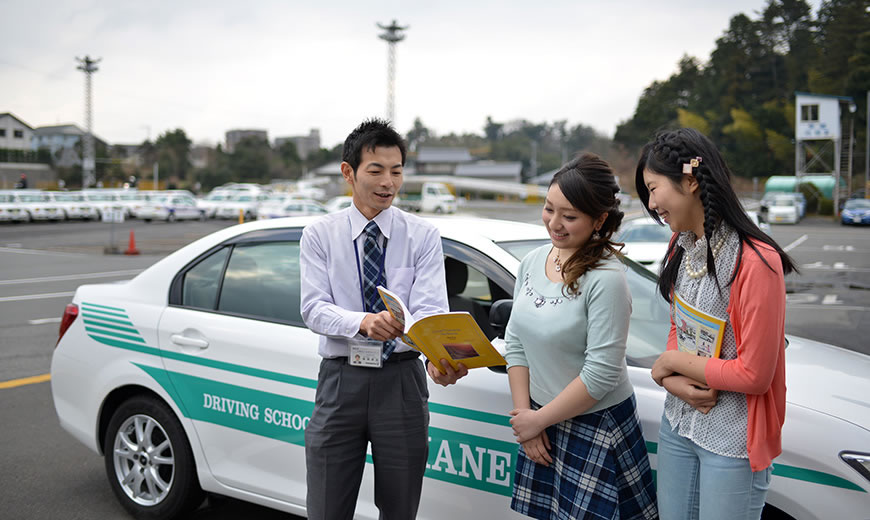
723, 416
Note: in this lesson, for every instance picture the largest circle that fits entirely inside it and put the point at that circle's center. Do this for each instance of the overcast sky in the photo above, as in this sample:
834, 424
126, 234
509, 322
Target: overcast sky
289, 66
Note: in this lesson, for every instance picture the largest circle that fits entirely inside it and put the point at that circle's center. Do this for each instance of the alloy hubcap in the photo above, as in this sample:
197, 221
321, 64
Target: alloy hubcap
144, 460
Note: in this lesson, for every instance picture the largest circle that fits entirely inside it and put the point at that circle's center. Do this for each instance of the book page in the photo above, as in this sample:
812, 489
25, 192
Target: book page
397, 308
456, 337
697, 332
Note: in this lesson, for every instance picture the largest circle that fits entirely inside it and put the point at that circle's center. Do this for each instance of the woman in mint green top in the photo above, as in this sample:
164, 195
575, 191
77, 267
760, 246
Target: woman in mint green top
582, 452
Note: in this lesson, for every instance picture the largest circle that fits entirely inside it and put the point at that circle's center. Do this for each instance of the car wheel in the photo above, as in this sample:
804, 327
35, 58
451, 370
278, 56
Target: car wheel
439, 210
170, 217
149, 462
146, 219
202, 216
248, 216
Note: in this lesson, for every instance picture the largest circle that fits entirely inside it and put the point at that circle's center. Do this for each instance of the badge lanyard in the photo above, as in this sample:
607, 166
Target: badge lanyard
381, 280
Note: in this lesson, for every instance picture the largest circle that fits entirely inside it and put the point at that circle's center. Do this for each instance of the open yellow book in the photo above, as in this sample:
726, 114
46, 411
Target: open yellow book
453, 336
697, 332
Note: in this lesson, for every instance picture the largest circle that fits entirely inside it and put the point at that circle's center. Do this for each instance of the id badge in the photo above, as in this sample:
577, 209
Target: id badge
365, 353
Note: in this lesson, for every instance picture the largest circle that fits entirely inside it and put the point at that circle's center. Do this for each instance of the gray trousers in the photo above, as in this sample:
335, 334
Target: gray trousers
354, 406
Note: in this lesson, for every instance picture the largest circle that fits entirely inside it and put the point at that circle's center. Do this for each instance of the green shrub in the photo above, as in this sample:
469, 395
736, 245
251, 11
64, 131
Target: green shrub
826, 206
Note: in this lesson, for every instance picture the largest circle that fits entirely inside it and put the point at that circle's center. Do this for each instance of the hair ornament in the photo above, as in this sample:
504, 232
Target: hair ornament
693, 163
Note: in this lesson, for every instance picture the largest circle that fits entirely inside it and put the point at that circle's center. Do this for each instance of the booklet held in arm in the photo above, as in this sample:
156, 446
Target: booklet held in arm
453, 336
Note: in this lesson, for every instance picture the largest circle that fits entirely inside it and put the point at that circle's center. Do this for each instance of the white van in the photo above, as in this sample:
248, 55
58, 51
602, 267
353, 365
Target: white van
433, 197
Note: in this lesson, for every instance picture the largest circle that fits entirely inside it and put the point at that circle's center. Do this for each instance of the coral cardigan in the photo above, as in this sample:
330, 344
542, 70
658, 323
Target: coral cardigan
757, 313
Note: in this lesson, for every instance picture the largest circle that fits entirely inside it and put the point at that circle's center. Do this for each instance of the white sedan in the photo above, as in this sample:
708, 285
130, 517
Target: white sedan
170, 207
646, 241
299, 208
199, 375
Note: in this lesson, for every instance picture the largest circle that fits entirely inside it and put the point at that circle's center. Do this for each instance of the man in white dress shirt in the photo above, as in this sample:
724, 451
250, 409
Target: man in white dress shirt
369, 389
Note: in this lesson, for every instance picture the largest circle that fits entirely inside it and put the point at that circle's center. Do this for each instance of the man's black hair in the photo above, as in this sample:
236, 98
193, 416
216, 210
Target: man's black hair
370, 134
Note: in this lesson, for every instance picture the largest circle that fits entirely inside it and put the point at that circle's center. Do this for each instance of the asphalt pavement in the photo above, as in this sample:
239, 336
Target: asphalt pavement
47, 474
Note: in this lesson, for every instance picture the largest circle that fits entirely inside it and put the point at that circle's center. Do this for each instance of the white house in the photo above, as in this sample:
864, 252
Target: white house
15, 134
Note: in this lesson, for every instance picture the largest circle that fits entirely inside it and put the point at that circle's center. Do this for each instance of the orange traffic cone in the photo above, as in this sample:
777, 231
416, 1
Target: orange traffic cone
131, 249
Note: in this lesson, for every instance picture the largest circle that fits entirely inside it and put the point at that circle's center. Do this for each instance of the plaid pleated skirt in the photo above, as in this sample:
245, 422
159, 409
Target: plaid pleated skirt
600, 470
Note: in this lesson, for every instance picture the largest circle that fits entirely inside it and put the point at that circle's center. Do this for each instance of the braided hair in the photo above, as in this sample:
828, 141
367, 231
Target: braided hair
668, 154
590, 186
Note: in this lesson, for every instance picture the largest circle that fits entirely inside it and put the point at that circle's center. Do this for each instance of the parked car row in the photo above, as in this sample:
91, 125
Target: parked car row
97, 204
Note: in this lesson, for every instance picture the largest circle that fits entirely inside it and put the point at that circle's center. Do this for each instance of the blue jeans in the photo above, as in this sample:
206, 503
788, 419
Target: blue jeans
693, 483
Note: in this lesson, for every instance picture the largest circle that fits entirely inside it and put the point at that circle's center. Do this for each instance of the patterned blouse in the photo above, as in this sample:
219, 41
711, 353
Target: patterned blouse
723, 429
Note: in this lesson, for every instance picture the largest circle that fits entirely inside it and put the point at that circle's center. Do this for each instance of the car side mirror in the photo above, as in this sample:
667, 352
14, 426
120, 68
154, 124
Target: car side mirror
499, 314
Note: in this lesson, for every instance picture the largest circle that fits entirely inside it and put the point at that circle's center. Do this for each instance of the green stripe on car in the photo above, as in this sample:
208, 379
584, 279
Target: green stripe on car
439, 437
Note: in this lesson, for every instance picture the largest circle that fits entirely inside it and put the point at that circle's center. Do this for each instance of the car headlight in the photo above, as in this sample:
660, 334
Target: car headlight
860, 462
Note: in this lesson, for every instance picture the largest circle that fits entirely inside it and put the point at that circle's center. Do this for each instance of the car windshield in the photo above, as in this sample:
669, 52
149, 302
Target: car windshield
243, 198
129, 196
520, 248
646, 233
5, 198
650, 313
100, 196
30, 198
782, 202
858, 204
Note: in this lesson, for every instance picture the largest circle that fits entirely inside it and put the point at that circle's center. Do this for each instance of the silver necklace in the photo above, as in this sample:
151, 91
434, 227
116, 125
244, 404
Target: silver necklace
540, 299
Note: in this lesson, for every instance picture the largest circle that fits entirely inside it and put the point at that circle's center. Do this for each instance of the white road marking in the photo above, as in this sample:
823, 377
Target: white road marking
105, 274
822, 307
36, 252
839, 266
830, 299
796, 243
796, 298
43, 296
851, 249
43, 321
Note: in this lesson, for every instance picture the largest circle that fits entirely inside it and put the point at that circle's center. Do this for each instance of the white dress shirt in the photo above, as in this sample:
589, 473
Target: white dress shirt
332, 302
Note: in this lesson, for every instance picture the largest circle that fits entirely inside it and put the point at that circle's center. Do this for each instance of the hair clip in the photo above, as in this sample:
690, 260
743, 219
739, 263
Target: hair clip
693, 163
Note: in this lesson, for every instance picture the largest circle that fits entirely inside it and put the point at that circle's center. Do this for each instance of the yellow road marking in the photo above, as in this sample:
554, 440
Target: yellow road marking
25, 381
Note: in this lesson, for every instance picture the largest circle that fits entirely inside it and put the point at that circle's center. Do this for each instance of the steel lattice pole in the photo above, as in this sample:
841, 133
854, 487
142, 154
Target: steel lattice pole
392, 34
88, 66
391, 81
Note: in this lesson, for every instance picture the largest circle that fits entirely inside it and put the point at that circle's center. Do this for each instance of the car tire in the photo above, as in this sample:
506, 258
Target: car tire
170, 217
149, 483
202, 216
146, 220
439, 210
249, 216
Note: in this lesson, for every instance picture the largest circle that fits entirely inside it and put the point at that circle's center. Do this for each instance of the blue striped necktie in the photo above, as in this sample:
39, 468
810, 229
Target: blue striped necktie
372, 276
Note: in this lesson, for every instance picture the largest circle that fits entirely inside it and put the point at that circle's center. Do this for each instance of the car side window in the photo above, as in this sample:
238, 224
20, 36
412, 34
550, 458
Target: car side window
262, 281
201, 283
471, 291
650, 317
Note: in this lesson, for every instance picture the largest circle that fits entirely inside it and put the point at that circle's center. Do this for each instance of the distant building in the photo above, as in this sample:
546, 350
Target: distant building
332, 169
15, 134
61, 140
432, 160
491, 170
305, 144
234, 136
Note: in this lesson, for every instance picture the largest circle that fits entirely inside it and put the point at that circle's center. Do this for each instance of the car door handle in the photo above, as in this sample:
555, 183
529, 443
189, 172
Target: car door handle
184, 341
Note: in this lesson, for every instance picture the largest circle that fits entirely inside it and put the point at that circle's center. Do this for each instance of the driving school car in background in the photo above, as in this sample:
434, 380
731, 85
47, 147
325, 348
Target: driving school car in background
199, 376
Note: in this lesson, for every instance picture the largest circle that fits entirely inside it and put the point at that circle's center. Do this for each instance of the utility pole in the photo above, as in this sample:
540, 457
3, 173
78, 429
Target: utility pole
392, 34
88, 66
